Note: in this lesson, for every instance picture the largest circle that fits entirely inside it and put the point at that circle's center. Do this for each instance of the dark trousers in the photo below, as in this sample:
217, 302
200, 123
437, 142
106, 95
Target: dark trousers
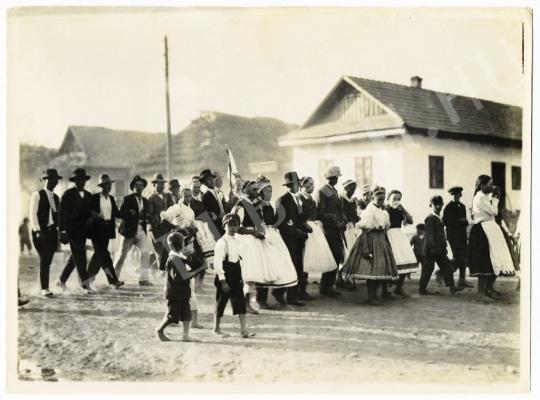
77, 259
459, 250
233, 277
429, 265
25, 242
101, 259
296, 251
46, 245
335, 241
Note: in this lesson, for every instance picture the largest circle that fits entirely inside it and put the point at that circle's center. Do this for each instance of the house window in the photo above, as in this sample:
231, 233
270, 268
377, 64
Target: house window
324, 164
436, 172
363, 170
516, 178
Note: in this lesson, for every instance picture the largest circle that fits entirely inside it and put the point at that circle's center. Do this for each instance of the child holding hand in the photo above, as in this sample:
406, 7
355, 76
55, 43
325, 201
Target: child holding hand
182, 265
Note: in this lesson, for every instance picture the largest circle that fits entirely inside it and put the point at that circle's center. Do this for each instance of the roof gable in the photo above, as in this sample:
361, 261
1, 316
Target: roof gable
104, 147
418, 110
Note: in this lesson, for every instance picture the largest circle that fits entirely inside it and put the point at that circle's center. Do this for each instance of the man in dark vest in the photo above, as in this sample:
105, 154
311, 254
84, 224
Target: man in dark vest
74, 218
456, 223
44, 205
157, 203
330, 213
134, 213
294, 232
211, 203
102, 229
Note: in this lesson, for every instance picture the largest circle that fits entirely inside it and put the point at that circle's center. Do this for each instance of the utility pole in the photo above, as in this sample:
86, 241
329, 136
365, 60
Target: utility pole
167, 102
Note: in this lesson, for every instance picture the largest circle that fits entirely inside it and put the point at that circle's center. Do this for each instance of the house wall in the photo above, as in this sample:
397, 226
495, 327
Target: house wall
402, 163
386, 153
463, 162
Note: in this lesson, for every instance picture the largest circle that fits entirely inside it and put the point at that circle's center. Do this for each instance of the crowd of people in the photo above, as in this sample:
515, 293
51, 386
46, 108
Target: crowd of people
259, 247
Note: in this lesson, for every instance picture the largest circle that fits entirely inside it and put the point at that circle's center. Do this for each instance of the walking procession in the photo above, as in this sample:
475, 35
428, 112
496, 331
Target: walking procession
262, 252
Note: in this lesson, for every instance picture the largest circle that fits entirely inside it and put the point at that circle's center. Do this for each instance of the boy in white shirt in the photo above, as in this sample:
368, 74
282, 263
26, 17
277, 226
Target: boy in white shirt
228, 281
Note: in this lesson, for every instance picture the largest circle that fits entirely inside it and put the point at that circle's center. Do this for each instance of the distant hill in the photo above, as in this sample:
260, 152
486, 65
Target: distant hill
202, 145
32, 161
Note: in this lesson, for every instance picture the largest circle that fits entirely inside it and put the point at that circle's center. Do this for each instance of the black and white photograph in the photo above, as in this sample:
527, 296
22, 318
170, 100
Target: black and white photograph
268, 199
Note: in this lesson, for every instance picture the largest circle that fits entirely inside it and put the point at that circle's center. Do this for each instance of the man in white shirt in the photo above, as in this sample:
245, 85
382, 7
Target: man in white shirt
44, 206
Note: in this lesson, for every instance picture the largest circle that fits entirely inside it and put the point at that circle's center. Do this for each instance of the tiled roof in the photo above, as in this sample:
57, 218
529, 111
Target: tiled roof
106, 147
421, 108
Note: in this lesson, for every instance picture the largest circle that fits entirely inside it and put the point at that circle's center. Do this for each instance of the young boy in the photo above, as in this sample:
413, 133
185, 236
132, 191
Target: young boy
181, 266
228, 281
417, 243
24, 236
435, 250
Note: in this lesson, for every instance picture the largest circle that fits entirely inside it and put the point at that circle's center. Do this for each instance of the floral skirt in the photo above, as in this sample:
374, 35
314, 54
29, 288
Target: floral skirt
371, 258
402, 250
318, 257
206, 240
499, 252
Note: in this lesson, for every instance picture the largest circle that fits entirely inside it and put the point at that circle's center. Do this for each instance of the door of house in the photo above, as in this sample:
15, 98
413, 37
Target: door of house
498, 173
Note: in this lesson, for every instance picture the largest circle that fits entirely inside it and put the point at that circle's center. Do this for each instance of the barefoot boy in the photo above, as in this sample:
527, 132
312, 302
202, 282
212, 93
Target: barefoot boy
181, 266
228, 281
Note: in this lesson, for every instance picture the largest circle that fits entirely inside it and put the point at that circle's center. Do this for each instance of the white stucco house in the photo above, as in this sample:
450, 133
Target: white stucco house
419, 141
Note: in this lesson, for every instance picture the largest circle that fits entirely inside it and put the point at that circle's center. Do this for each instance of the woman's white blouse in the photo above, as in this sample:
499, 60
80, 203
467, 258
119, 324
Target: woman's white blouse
484, 207
374, 217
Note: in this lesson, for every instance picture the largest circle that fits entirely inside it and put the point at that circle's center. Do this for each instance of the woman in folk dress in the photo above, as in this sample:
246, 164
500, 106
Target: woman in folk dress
403, 253
318, 257
255, 266
350, 211
488, 255
276, 252
371, 257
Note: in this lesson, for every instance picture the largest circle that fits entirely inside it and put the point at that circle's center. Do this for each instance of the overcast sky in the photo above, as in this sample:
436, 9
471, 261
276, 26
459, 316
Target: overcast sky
107, 69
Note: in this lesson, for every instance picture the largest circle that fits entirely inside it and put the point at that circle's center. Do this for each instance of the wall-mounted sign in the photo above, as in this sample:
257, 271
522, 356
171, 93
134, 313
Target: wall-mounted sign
265, 166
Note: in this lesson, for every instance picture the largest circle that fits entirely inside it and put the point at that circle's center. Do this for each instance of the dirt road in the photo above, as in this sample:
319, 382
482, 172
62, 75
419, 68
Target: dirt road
110, 336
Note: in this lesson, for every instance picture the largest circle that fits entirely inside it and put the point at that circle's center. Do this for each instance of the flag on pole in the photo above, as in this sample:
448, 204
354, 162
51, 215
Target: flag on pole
232, 171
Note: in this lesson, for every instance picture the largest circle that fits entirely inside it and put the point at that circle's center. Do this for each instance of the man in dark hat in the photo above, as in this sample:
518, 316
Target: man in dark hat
74, 218
44, 205
156, 205
294, 231
211, 202
172, 197
133, 230
104, 212
456, 223
330, 213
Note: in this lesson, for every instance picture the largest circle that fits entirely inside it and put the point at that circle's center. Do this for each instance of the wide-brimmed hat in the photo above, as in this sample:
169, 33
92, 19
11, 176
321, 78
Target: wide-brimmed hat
291, 177
455, 189
206, 173
158, 178
137, 178
332, 172
50, 173
104, 179
79, 174
348, 182
174, 183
